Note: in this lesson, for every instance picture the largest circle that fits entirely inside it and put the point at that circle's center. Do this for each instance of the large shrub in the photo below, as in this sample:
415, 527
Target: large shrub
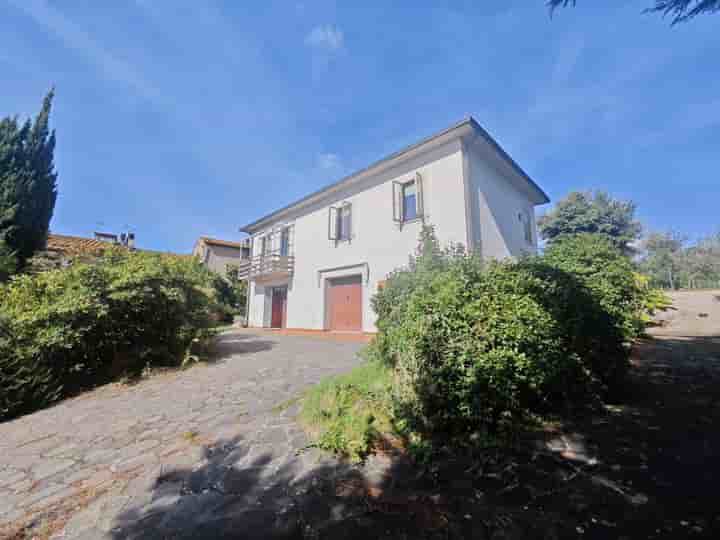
604, 270
391, 299
67, 328
478, 346
482, 347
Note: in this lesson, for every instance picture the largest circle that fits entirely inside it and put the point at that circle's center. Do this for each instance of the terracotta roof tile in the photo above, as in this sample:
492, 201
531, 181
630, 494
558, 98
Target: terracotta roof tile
75, 245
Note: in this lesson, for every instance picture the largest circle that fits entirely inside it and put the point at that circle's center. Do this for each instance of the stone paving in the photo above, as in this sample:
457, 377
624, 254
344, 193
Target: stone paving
166, 456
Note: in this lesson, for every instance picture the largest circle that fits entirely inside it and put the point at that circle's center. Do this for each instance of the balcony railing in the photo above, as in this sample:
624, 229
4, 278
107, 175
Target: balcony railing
266, 267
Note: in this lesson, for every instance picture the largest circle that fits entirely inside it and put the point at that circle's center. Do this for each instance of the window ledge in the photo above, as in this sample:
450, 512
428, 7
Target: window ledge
408, 221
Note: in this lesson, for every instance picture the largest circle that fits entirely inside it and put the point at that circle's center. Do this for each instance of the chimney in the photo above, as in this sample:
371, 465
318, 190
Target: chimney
131, 240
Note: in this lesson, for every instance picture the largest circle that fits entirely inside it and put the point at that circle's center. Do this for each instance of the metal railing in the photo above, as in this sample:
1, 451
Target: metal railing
266, 266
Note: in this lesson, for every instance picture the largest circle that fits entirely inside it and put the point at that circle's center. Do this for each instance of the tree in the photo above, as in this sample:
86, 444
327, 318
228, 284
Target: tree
702, 263
679, 10
670, 263
663, 258
594, 213
28, 182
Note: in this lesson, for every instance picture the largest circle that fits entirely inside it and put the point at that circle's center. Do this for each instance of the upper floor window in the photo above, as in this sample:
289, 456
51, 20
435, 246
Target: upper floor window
340, 222
408, 199
526, 223
265, 244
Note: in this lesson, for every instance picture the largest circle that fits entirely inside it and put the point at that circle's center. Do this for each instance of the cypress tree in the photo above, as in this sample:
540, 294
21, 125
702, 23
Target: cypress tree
28, 182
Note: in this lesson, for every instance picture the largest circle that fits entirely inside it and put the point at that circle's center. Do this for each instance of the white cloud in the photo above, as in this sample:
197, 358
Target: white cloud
74, 37
327, 37
328, 161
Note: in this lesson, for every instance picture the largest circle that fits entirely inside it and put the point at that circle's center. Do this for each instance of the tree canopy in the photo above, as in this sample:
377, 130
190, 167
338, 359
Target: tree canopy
28, 182
594, 213
672, 263
678, 10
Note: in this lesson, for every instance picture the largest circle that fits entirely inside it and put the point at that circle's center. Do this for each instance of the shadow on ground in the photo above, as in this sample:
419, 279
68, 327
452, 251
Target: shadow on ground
234, 343
645, 468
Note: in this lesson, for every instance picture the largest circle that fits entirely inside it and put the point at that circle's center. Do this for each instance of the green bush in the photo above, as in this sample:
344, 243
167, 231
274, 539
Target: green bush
605, 271
479, 350
478, 347
8, 263
390, 301
68, 328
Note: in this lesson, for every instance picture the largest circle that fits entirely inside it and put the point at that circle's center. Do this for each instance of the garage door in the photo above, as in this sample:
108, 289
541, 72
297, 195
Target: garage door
345, 304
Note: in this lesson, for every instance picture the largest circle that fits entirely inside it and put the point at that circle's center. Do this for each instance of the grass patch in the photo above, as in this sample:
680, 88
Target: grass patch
285, 405
346, 414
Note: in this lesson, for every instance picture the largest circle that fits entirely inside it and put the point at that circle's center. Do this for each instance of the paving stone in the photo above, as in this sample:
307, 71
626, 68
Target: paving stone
64, 450
78, 475
98, 479
132, 463
115, 431
10, 477
46, 496
49, 467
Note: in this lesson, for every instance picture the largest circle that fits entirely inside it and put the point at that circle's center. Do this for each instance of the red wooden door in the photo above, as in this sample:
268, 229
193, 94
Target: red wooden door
279, 307
345, 304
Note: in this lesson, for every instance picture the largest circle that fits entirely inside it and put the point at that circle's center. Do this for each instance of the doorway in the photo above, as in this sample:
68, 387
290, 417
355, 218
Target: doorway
278, 317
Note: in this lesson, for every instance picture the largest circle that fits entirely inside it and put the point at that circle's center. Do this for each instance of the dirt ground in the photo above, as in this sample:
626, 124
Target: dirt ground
647, 467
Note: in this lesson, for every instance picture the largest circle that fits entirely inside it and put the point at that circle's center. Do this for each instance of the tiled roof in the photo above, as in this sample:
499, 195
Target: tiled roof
218, 242
75, 245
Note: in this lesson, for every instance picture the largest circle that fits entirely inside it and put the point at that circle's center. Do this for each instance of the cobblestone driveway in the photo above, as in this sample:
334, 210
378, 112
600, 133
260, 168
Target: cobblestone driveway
159, 459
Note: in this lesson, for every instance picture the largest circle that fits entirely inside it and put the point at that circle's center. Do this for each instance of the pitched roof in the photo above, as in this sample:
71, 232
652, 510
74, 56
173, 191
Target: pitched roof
218, 242
75, 245
465, 126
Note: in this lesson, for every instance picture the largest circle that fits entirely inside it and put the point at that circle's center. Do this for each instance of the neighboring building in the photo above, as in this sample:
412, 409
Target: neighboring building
218, 254
62, 249
316, 263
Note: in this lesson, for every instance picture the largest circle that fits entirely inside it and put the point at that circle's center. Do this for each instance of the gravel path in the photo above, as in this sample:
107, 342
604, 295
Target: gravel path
207, 441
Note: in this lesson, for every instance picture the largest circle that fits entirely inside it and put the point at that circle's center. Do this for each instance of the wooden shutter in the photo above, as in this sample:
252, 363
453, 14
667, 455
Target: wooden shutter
397, 202
332, 223
348, 234
420, 202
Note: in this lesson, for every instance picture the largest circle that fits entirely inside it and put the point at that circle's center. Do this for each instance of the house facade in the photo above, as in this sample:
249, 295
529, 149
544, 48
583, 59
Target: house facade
316, 263
218, 254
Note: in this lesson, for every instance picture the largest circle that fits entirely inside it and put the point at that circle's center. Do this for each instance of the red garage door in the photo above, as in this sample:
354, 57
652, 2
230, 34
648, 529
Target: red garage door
345, 304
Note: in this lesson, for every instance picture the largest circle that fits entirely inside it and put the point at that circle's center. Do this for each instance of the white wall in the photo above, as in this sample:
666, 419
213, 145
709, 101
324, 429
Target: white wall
378, 245
496, 202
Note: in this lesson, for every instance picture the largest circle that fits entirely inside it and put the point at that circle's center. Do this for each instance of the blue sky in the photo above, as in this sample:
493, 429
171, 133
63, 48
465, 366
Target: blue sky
186, 118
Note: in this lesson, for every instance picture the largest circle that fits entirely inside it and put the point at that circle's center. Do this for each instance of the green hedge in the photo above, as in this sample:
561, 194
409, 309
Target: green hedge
477, 347
65, 329
605, 271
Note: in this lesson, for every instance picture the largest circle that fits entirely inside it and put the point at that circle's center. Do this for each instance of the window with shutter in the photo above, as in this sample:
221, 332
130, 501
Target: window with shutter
408, 200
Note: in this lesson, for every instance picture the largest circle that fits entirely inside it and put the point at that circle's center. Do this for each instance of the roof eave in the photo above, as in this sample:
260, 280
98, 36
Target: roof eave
457, 130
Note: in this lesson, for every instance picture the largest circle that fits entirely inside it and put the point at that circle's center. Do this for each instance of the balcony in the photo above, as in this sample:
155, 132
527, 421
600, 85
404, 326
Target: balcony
268, 267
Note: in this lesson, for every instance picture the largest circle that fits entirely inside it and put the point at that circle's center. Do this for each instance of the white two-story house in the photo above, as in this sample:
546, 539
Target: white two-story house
316, 263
